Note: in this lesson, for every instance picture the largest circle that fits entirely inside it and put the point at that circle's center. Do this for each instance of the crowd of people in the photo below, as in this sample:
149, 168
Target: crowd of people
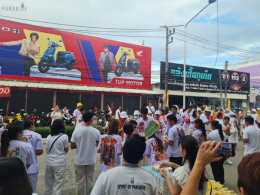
180, 139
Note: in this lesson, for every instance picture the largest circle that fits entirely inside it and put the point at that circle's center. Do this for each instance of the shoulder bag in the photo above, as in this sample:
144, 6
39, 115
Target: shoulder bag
54, 142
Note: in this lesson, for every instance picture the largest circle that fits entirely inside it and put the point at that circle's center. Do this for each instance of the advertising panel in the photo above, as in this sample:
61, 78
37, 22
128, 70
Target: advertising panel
202, 79
5, 91
36, 53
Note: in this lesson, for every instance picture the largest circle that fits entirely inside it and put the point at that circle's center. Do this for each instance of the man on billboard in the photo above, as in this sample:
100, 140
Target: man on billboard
28, 50
107, 60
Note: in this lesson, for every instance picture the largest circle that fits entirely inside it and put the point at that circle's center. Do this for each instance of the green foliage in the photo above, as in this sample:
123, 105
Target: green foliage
45, 131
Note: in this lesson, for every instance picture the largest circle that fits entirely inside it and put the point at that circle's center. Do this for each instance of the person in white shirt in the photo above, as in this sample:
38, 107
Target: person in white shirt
143, 122
188, 150
80, 122
219, 136
85, 139
193, 117
11, 146
220, 118
186, 119
181, 110
57, 145
128, 178
251, 136
117, 112
205, 117
56, 114
109, 147
200, 132
35, 139
160, 132
65, 111
151, 109
77, 112
226, 112
173, 140
255, 117
233, 138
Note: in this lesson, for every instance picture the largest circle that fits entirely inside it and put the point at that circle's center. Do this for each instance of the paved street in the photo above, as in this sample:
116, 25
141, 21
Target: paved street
69, 187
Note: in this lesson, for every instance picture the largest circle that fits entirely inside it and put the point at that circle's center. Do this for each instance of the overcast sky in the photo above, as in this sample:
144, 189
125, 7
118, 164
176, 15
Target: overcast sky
239, 25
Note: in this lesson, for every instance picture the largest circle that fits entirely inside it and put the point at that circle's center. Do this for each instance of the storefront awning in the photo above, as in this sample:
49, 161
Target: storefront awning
74, 87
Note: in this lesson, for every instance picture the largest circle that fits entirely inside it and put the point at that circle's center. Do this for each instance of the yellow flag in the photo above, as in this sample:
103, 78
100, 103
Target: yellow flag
229, 105
258, 114
167, 99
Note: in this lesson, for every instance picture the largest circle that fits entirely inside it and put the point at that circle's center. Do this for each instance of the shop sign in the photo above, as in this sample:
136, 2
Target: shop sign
252, 98
5, 91
202, 79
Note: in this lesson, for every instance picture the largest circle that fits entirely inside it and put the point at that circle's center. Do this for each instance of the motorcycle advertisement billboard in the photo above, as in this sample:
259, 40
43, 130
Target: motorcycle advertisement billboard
202, 79
34, 53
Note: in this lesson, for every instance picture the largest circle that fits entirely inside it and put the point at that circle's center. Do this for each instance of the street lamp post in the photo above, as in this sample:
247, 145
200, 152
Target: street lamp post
184, 67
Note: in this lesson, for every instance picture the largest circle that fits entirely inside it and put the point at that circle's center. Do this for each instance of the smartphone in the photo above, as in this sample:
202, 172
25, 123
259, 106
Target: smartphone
226, 150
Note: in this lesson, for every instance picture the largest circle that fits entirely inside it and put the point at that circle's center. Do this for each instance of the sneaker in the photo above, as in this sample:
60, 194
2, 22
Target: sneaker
228, 162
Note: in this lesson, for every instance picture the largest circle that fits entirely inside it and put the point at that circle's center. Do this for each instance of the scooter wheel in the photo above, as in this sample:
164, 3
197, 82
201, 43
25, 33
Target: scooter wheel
118, 71
43, 66
69, 66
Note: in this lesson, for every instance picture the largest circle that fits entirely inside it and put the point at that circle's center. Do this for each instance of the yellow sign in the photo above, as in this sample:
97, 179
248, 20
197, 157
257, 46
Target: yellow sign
127, 50
43, 42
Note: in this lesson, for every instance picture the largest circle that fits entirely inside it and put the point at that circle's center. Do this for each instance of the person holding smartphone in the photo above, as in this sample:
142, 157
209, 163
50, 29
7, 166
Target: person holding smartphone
56, 114
218, 135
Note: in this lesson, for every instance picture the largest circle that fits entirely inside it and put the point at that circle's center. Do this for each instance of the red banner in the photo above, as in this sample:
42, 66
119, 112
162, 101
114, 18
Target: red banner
5, 91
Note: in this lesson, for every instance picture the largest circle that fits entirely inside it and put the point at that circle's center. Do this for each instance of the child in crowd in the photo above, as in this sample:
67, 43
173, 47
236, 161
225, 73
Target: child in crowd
200, 132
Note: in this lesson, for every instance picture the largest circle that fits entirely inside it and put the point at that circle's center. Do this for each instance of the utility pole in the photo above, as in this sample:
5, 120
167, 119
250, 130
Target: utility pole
220, 86
168, 34
226, 78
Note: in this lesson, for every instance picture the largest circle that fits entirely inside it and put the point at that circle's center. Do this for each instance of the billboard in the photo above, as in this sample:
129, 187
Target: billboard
34, 53
201, 79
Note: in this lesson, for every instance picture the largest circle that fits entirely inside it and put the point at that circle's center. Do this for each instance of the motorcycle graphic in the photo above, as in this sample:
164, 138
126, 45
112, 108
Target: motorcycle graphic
64, 59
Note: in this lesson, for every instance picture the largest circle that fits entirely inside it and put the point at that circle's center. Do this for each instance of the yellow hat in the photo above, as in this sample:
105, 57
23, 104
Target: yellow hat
79, 104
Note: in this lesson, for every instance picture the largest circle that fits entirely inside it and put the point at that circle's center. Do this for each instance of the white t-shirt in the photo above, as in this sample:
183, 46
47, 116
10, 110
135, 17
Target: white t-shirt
181, 175
179, 121
57, 155
226, 115
109, 146
150, 109
35, 139
160, 135
199, 136
157, 155
220, 122
80, 118
255, 119
85, 138
117, 114
127, 179
252, 133
181, 111
204, 119
191, 127
214, 135
142, 124
76, 112
174, 135
21, 150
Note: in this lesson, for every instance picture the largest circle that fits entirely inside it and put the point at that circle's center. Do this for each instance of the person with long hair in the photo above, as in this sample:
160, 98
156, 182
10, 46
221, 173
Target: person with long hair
35, 139
109, 146
193, 117
219, 136
57, 145
188, 149
200, 132
13, 177
220, 118
12, 146
155, 150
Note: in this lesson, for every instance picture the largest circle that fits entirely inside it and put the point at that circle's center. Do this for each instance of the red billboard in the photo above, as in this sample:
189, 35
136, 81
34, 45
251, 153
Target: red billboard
5, 91
34, 53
